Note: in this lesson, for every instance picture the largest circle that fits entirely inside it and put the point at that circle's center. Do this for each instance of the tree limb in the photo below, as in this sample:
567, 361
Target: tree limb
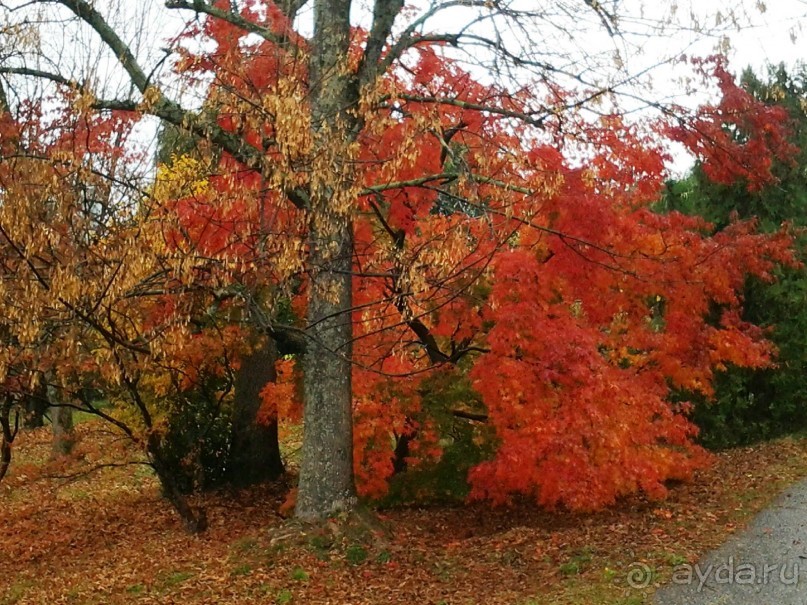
157, 104
200, 6
384, 14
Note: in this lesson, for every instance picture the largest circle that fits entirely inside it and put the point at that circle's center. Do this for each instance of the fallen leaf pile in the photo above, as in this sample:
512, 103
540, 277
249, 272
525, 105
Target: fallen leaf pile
76, 536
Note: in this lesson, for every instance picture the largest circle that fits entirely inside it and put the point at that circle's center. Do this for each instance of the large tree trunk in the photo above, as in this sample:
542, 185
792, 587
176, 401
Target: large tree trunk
326, 472
61, 420
64, 439
255, 451
7, 435
35, 404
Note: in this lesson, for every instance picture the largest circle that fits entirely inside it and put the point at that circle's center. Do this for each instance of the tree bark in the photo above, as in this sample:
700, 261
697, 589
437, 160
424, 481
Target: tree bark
401, 453
255, 451
326, 472
7, 436
61, 418
35, 405
5, 457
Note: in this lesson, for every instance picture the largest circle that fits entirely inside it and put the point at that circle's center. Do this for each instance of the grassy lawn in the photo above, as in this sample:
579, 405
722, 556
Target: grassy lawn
109, 538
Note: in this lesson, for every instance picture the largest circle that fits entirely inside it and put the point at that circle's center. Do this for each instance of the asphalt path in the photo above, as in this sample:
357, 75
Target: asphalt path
765, 564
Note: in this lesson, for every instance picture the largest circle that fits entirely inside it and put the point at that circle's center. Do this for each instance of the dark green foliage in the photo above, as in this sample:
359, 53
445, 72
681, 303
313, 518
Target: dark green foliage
753, 405
176, 142
445, 480
196, 445
212, 438
465, 444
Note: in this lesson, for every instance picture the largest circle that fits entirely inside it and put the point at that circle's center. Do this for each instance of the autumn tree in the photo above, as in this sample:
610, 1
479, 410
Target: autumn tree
752, 404
27, 406
417, 219
253, 447
96, 298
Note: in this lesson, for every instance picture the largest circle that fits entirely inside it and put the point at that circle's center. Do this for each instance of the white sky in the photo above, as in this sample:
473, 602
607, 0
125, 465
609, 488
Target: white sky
779, 36
772, 31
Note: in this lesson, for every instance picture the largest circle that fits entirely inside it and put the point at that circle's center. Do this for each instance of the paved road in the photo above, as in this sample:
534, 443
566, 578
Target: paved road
764, 565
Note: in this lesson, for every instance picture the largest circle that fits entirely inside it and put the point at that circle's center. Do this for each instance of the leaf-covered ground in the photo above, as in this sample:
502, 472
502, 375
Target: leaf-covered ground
109, 538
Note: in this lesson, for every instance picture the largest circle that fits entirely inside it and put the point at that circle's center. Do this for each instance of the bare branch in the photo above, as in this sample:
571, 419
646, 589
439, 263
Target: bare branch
87, 13
468, 415
608, 20
443, 176
526, 117
157, 104
384, 14
200, 6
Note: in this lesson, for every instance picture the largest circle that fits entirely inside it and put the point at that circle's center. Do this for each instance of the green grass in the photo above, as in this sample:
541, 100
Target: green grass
356, 554
16, 592
578, 563
174, 578
136, 589
242, 570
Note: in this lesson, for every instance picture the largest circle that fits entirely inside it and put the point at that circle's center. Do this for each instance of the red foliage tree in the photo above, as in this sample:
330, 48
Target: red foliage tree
580, 307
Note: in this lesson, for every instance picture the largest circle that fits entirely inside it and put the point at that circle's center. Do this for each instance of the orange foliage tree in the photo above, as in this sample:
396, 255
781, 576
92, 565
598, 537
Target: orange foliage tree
99, 304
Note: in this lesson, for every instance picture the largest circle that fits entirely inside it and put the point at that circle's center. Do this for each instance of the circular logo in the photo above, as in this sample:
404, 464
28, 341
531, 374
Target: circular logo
640, 575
